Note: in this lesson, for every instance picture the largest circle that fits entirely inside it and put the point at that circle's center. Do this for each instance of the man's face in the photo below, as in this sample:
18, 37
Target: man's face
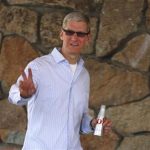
73, 43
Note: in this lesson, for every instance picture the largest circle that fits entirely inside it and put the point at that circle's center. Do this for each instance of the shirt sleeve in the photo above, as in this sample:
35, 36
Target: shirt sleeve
14, 93
86, 119
85, 124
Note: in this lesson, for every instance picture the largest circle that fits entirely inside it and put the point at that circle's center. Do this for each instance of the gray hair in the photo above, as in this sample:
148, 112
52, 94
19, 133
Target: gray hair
76, 16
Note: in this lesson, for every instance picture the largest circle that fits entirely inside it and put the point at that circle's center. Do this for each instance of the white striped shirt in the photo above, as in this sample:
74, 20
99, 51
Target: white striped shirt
58, 111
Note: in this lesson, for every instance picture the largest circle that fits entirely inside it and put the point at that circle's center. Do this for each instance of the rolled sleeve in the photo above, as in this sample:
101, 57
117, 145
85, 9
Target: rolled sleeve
85, 124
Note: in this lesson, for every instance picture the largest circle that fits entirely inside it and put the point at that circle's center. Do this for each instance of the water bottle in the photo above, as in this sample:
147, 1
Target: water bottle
100, 118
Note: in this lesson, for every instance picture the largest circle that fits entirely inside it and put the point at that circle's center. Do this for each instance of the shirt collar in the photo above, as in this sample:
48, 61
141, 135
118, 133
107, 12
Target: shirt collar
59, 57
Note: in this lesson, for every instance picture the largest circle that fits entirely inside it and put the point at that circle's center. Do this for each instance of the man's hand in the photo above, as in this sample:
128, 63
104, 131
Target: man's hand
26, 86
107, 124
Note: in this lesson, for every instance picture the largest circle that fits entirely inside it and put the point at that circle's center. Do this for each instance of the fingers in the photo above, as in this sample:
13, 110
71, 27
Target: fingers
94, 122
26, 86
26, 89
107, 124
30, 73
24, 75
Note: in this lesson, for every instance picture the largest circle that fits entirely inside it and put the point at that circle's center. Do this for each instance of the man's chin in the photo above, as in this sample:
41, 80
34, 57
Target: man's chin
75, 51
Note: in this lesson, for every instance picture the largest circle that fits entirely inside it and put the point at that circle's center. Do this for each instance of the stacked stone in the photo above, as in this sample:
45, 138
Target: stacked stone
118, 60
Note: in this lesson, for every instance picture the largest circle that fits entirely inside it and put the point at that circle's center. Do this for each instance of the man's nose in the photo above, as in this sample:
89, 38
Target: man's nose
74, 36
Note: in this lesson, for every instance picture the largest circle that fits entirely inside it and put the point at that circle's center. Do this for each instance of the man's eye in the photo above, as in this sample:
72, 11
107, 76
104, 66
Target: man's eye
70, 32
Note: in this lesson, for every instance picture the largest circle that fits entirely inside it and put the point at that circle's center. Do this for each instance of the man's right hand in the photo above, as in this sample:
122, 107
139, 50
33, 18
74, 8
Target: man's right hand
26, 86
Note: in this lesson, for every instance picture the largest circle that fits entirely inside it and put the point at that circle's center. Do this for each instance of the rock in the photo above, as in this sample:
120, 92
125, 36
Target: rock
84, 5
118, 20
4, 88
148, 19
12, 117
20, 21
50, 29
48, 2
1, 92
105, 142
89, 49
131, 118
16, 52
136, 53
0, 38
148, 16
112, 85
10, 147
140, 142
13, 137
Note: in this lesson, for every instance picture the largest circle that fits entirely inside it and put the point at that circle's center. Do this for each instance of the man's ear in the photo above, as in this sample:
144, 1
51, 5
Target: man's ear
89, 39
61, 35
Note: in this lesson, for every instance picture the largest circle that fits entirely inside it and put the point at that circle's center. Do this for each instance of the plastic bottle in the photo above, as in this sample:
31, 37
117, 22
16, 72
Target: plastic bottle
99, 125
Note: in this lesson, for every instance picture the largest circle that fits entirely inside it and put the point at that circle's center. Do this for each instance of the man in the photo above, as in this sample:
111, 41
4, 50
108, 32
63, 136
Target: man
55, 88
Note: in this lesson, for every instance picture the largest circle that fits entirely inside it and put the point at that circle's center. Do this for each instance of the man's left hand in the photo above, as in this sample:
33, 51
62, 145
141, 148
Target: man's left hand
107, 124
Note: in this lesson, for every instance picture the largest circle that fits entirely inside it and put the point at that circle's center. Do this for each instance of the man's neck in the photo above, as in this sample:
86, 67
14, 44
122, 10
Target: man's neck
72, 58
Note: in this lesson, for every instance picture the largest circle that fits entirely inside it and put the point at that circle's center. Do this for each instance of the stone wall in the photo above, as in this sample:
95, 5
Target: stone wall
118, 60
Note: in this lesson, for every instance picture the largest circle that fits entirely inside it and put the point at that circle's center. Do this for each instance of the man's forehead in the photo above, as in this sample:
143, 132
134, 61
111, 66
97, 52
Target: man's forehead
77, 24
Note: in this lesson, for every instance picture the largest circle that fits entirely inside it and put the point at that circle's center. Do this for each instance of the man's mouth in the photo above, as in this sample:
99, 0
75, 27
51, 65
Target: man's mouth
74, 44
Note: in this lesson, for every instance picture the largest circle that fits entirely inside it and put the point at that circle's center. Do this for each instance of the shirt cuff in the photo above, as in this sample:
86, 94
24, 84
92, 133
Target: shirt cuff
15, 98
86, 124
